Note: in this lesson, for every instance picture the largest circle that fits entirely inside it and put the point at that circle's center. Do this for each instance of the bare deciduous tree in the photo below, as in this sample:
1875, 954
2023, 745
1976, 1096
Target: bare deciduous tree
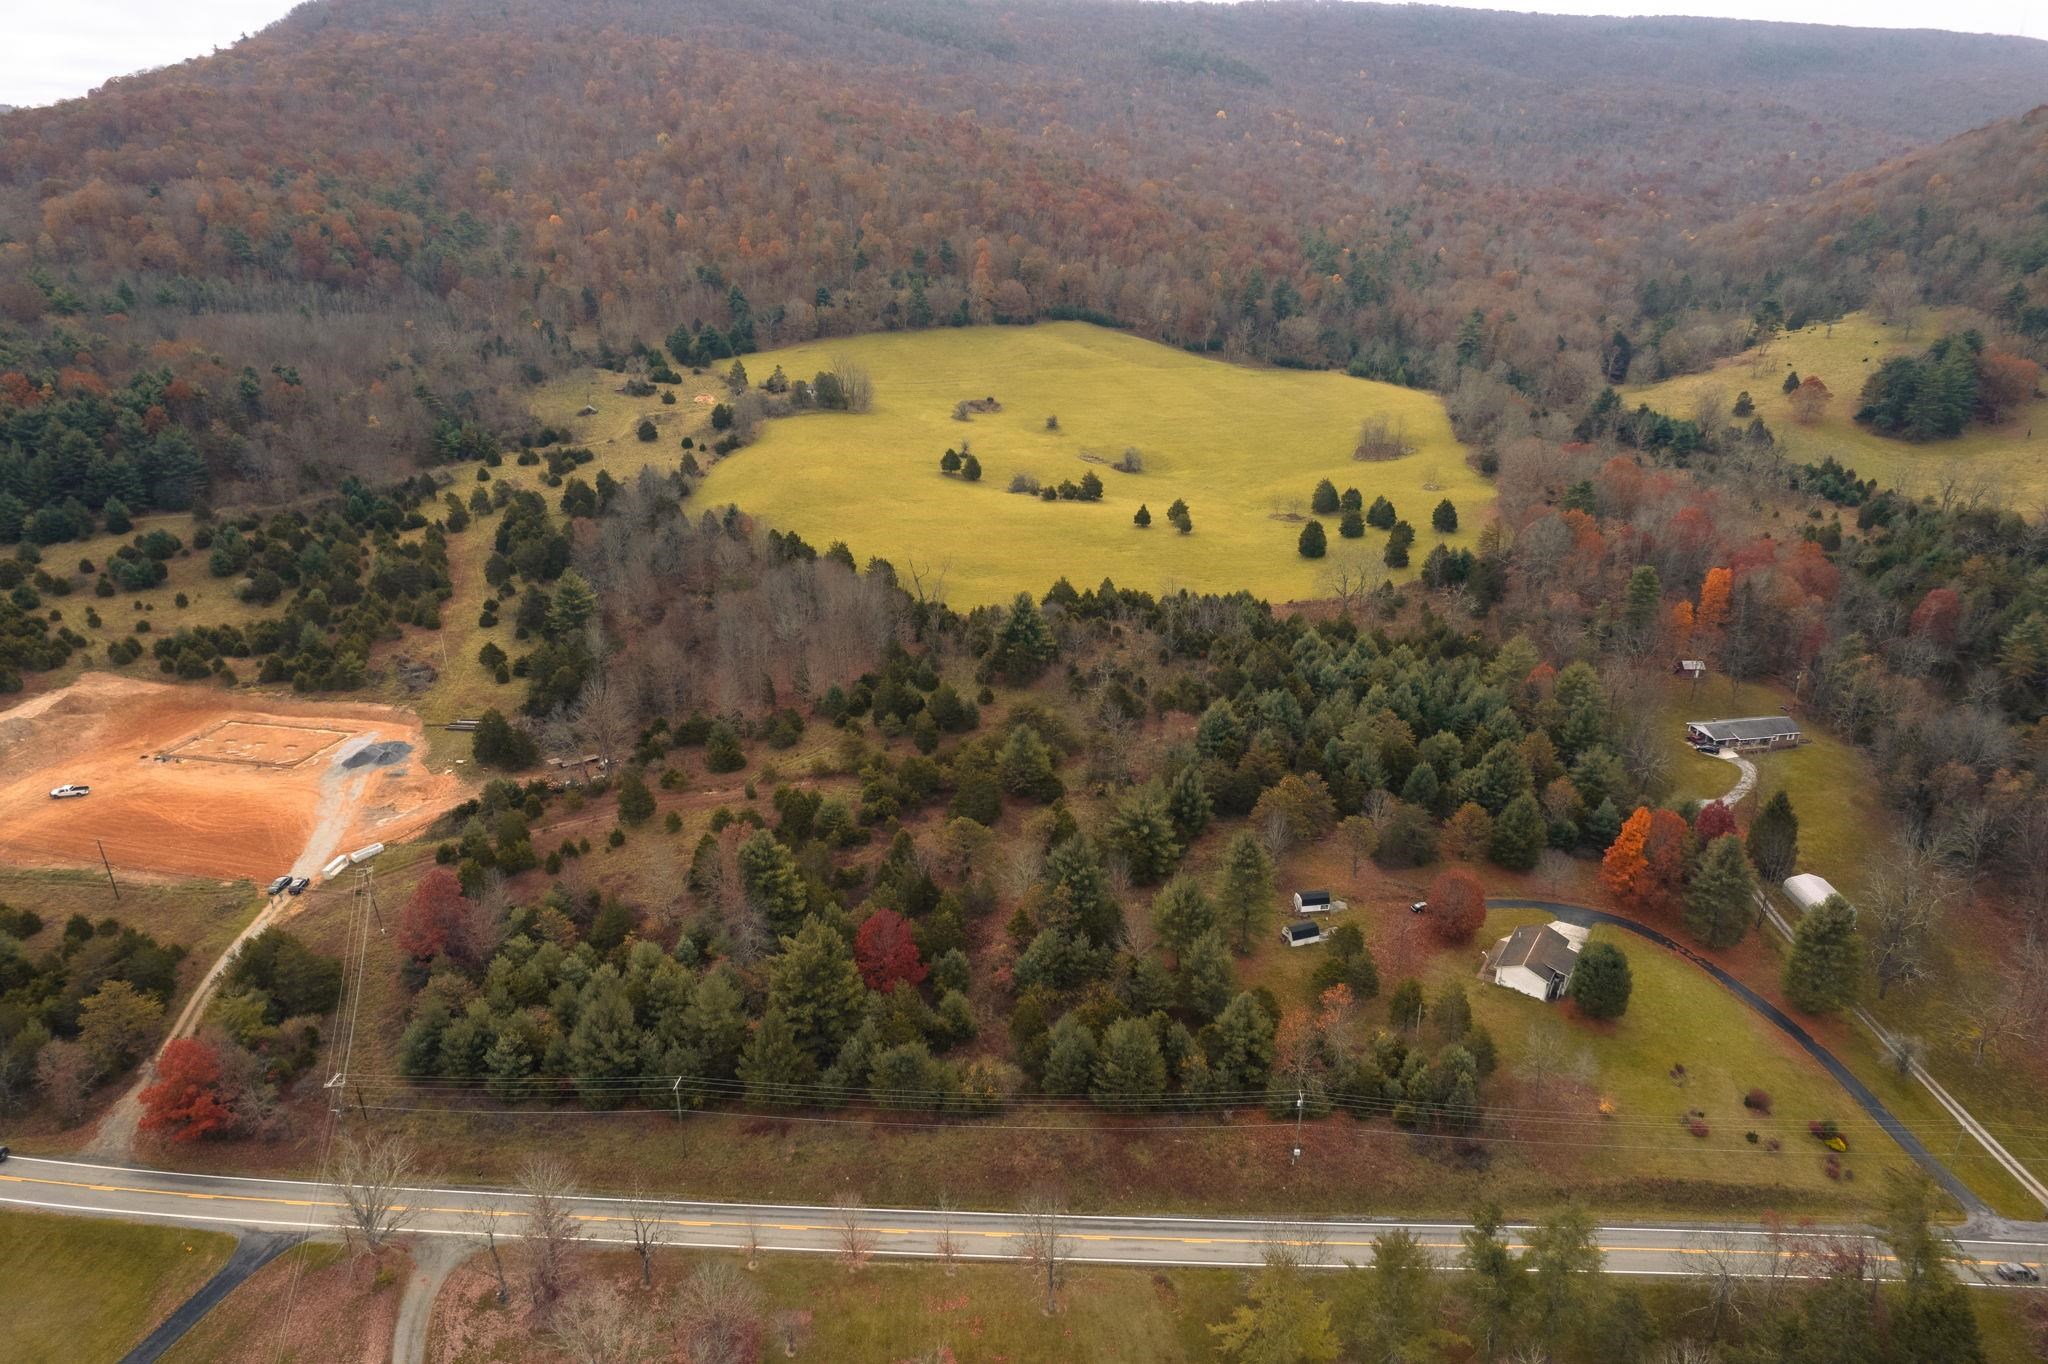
945, 1243
718, 1314
1295, 1245
597, 1325
480, 1224
371, 1175
648, 1230
1901, 914
552, 1227
1044, 1245
853, 1236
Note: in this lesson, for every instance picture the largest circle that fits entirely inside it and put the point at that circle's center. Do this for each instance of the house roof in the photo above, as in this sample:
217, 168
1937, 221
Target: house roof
1314, 897
1539, 947
1752, 727
1302, 932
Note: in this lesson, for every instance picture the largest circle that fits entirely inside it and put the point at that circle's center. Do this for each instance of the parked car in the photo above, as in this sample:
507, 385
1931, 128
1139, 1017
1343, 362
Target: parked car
298, 884
70, 791
1418, 907
279, 884
3, 1155
2012, 1271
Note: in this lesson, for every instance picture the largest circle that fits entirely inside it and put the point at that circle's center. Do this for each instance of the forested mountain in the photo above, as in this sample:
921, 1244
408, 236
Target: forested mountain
389, 215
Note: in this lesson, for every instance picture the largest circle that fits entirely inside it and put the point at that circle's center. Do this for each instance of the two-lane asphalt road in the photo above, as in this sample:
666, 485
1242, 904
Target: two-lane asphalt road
303, 1206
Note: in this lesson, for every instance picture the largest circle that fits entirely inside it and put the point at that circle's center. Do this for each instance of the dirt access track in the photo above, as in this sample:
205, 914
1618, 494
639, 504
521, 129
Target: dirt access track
196, 781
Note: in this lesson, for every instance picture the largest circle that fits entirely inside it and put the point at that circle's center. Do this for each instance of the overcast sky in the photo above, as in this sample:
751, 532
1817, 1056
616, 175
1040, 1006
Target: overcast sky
58, 50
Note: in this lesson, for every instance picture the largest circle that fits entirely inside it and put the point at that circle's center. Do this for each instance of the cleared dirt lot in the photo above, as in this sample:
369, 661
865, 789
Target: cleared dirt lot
191, 781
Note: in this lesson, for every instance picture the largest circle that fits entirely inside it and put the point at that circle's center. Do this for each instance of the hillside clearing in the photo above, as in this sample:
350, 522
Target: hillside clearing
1243, 447
2009, 460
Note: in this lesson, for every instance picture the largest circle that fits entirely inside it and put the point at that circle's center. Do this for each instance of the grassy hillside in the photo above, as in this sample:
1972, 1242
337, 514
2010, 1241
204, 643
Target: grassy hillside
1244, 448
83, 1289
2007, 463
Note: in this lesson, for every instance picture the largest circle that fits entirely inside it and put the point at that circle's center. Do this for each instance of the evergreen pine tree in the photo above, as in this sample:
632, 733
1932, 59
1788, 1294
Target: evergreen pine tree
1143, 519
772, 884
1188, 804
1324, 501
1519, 834
1069, 1058
1722, 897
1313, 543
1825, 968
636, 802
1181, 913
1380, 516
1025, 645
1774, 839
1244, 900
1141, 832
773, 1067
818, 988
1351, 525
1240, 1047
1130, 1074
1601, 982
1206, 977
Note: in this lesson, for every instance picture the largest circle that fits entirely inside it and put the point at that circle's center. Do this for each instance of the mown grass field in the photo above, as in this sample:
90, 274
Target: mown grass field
74, 1288
1244, 447
2006, 464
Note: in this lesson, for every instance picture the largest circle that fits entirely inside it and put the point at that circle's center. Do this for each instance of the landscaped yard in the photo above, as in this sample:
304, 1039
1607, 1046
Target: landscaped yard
1244, 447
75, 1289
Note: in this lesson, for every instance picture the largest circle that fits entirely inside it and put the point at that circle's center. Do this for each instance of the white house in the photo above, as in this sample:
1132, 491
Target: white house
1316, 902
1535, 960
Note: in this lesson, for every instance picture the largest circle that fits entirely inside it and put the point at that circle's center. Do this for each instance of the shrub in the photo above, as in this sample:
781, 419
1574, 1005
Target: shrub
1697, 1126
1757, 1101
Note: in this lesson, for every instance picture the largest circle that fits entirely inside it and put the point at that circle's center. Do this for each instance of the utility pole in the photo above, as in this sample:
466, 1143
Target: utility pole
1300, 1100
110, 869
676, 1090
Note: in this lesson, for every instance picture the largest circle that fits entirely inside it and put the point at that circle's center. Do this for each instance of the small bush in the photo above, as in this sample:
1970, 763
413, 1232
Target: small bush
1697, 1126
1023, 483
1750, 1137
1757, 1101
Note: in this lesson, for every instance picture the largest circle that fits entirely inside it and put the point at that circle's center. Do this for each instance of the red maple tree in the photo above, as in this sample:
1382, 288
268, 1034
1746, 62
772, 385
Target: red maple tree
1713, 820
189, 1099
1457, 906
435, 921
886, 952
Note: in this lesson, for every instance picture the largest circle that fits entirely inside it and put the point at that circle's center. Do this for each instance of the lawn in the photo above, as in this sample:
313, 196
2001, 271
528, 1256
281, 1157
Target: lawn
1828, 780
78, 1288
2007, 463
1244, 447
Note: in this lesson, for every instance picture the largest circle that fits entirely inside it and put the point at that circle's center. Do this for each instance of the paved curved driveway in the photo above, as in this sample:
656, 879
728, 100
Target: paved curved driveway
1860, 1092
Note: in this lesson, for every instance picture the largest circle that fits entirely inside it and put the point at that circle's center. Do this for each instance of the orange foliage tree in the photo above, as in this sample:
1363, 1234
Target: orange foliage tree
1713, 612
189, 1099
1646, 862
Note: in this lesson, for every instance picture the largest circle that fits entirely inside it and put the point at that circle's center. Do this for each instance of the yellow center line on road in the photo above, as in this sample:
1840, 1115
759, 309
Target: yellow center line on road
1135, 1237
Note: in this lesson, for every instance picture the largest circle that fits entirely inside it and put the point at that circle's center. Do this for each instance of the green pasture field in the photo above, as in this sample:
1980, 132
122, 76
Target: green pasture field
2006, 464
1243, 447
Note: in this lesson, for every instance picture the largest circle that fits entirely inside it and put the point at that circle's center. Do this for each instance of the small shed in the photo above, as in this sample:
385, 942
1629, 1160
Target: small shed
1536, 960
1807, 890
1301, 934
1316, 902
1694, 668
1746, 734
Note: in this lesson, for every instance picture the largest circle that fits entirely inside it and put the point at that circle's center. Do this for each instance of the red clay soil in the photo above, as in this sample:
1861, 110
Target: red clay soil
191, 781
